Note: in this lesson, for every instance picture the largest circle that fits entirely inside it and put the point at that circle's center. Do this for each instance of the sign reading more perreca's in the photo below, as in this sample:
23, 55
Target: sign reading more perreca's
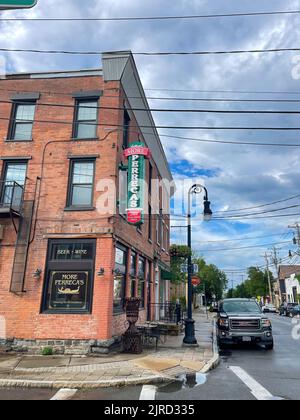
17, 4
136, 155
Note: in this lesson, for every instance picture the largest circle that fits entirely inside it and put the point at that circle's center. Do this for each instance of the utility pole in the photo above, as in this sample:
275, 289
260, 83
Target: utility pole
296, 226
276, 264
269, 278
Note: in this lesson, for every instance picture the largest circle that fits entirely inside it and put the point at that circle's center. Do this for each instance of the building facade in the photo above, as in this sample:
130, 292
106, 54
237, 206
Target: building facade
290, 285
68, 254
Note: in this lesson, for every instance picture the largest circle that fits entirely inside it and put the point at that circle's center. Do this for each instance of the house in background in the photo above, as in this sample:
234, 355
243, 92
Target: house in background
289, 283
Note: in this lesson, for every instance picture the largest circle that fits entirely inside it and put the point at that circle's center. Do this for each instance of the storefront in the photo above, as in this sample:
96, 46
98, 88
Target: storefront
69, 277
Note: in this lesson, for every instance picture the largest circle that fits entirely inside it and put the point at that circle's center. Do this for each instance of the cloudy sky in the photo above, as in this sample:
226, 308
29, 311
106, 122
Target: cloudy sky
237, 176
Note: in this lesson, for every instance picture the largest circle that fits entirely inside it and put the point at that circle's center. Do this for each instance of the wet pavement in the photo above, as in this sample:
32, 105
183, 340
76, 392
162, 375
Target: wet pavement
273, 375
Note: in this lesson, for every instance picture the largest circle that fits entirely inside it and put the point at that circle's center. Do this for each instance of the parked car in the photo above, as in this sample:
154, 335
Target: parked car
295, 311
242, 321
285, 309
269, 308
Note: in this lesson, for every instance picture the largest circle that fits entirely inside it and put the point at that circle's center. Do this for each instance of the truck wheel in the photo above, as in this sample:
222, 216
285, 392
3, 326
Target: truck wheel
270, 346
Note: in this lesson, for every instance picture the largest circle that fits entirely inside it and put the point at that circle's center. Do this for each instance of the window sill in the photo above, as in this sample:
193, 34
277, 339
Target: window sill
69, 209
17, 141
87, 139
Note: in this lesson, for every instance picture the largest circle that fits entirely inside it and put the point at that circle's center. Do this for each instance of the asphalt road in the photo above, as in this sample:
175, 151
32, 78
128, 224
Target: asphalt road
245, 373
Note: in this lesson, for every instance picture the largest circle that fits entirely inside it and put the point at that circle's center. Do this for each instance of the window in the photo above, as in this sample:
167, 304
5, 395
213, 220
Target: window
22, 121
86, 119
133, 274
120, 279
81, 185
69, 277
126, 126
14, 172
141, 286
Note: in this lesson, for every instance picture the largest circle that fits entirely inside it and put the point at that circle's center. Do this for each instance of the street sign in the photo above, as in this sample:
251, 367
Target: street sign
184, 268
196, 281
17, 4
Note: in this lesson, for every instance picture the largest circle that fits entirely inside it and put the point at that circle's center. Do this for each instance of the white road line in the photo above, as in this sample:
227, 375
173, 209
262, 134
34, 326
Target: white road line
257, 390
64, 394
148, 393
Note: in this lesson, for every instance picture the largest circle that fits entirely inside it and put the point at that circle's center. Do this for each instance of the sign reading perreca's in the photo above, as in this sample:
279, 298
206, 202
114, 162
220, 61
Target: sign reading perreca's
136, 155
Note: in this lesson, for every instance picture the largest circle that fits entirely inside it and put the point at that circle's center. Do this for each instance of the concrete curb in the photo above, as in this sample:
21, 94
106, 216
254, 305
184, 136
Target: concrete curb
21, 383
215, 360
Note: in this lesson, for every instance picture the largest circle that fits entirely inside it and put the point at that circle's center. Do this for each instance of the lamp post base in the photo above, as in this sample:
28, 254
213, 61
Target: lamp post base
190, 339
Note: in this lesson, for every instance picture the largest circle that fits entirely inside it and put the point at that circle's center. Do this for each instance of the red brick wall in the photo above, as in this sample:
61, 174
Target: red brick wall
52, 142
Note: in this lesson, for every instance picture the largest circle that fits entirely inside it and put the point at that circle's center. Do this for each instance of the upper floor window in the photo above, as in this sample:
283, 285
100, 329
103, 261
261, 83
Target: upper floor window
86, 119
81, 183
14, 178
22, 121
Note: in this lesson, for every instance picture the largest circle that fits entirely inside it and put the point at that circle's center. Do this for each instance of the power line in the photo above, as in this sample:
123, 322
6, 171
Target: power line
157, 54
170, 127
149, 18
262, 212
211, 141
248, 143
248, 218
244, 247
66, 94
248, 92
237, 239
169, 110
260, 206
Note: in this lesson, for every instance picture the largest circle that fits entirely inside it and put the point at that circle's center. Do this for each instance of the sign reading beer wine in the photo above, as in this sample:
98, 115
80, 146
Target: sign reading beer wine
136, 155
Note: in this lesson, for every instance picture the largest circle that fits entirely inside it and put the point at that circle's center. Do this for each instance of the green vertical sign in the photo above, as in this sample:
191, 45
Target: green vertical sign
17, 4
136, 155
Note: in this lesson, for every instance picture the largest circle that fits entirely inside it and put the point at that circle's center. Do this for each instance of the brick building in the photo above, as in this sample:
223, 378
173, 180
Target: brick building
68, 255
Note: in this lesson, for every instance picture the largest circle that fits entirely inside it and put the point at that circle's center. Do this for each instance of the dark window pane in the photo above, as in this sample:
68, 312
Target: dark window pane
25, 112
82, 195
86, 131
23, 131
87, 111
23, 122
82, 184
86, 119
83, 172
16, 172
12, 194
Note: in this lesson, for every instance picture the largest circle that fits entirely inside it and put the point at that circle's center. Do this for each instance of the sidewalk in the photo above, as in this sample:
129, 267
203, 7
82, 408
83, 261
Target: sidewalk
167, 363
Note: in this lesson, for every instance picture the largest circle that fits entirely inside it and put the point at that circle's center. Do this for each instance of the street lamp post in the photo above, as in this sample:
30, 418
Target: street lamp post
190, 338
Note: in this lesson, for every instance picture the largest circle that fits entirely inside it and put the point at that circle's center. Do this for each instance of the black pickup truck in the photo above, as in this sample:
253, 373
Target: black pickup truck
242, 321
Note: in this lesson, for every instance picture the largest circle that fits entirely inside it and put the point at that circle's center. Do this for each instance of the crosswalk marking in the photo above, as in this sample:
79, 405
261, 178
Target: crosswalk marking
148, 393
64, 394
257, 390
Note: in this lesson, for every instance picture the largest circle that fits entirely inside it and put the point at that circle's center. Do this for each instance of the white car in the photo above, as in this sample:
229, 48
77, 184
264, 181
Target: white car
269, 308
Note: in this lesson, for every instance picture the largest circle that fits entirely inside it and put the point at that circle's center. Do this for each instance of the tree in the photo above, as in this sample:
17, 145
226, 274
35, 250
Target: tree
213, 280
256, 285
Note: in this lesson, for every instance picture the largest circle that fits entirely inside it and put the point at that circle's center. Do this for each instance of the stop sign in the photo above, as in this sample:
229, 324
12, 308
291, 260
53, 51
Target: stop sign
196, 281
17, 4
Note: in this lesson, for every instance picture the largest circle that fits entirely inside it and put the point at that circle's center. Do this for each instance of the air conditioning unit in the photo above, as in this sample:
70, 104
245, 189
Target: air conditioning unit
1, 232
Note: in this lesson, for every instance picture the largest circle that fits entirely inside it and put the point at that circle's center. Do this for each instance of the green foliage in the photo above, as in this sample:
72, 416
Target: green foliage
213, 280
256, 285
179, 255
47, 351
180, 251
